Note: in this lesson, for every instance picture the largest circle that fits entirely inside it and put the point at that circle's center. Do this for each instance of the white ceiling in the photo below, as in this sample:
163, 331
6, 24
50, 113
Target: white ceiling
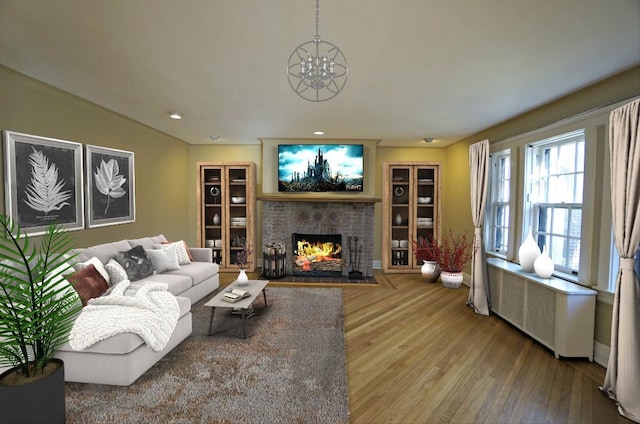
417, 68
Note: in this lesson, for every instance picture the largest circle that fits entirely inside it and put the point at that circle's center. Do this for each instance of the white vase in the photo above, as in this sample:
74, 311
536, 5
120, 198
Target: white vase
451, 280
242, 279
216, 219
398, 219
430, 271
528, 253
543, 265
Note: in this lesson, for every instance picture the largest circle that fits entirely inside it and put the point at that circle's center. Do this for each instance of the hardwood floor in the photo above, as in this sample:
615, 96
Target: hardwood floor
417, 354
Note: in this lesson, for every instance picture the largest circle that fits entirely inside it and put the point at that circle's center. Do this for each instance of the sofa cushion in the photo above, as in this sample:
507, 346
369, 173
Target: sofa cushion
182, 250
176, 284
97, 264
147, 242
164, 259
104, 252
198, 271
88, 283
116, 272
126, 342
135, 262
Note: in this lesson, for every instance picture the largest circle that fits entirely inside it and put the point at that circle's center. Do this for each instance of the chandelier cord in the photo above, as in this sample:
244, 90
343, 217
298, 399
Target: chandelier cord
318, 19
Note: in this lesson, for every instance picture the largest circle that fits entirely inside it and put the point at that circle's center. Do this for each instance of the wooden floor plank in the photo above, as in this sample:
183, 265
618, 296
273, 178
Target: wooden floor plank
417, 354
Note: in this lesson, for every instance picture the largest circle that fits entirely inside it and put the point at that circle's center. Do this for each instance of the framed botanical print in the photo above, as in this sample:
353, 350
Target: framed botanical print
110, 186
43, 182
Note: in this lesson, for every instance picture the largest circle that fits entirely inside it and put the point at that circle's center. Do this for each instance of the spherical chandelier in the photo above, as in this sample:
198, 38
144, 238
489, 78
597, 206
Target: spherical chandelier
317, 70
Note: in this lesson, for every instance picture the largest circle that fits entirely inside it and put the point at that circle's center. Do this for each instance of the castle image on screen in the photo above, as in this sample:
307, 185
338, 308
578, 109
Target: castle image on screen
327, 167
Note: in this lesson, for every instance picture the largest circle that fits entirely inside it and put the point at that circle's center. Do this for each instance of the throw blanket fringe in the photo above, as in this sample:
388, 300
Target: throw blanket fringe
150, 312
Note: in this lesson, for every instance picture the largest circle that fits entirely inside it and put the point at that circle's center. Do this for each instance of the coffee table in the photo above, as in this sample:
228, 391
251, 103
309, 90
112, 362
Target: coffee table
254, 287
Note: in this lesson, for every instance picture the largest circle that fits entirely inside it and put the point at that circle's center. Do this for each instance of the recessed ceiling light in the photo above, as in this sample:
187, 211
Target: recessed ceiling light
318, 132
428, 139
214, 137
175, 115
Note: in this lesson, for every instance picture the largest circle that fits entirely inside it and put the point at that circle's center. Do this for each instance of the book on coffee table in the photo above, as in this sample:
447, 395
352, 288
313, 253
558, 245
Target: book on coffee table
235, 295
247, 312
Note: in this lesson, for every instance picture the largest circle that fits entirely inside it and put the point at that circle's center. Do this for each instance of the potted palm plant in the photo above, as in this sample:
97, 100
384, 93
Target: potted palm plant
37, 311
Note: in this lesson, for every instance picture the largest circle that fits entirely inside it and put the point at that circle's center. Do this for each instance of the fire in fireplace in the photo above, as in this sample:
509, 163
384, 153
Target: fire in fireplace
317, 255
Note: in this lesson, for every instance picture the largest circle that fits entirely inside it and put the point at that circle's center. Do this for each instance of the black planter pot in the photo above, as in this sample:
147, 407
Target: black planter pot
39, 402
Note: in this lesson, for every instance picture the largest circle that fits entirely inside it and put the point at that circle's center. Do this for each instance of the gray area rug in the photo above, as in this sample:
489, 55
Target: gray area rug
290, 369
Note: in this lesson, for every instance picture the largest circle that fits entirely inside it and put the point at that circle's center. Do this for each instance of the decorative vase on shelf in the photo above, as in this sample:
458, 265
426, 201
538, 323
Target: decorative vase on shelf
216, 219
528, 253
430, 271
451, 280
543, 265
398, 219
242, 279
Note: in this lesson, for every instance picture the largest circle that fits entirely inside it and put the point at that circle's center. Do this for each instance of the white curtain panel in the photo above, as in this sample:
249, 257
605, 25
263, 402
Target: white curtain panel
622, 381
479, 173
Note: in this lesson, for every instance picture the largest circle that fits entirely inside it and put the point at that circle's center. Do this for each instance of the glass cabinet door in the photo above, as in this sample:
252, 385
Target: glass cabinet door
411, 212
213, 212
400, 216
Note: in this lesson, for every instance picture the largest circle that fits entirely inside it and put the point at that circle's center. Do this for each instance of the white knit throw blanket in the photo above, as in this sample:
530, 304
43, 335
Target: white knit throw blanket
150, 312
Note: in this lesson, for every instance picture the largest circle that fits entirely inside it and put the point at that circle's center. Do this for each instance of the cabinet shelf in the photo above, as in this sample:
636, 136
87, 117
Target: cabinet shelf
403, 184
218, 183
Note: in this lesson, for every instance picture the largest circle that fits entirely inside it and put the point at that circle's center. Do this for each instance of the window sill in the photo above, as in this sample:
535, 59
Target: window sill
568, 277
553, 283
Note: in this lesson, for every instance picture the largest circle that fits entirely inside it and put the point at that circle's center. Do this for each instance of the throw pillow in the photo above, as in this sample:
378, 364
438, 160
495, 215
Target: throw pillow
116, 272
135, 262
96, 263
88, 283
164, 259
182, 250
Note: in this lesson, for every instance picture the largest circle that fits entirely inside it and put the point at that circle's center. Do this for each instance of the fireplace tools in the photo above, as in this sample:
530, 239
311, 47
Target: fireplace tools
355, 255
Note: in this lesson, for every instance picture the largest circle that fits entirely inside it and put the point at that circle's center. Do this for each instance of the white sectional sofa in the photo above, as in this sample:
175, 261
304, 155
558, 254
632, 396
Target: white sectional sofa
122, 358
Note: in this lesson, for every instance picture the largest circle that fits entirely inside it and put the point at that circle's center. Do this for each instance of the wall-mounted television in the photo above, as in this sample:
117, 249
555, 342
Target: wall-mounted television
320, 167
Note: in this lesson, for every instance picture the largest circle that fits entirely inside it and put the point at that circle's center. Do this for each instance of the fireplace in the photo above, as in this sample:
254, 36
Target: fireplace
317, 255
283, 215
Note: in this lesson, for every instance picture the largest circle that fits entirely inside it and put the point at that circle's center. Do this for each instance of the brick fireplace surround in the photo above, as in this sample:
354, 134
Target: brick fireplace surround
282, 217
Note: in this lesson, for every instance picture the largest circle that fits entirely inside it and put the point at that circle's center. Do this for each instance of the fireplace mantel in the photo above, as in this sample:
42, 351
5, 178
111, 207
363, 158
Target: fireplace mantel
312, 198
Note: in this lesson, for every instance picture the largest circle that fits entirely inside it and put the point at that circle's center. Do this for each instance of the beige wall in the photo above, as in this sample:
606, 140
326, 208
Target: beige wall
612, 90
161, 162
622, 86
165, 166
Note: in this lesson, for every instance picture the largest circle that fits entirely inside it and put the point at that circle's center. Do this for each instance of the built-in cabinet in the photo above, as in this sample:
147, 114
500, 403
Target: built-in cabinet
557, 313
226, 211
411, 208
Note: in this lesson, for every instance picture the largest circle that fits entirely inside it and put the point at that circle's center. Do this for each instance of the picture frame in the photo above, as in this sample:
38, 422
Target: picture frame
110, 187
43, 182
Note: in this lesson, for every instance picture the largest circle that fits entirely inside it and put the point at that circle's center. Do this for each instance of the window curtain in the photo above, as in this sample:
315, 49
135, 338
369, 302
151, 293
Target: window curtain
479, 170
622, 381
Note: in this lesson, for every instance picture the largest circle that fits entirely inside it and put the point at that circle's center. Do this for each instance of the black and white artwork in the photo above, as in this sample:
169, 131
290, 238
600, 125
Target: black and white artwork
110, 186
43, 182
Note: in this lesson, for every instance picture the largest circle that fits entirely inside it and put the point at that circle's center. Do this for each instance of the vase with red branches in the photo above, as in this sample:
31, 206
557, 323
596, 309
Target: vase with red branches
424, 254
242, 260
452, 253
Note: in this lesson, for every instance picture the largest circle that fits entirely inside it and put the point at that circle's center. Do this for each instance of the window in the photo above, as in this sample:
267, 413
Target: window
553, 206
499, 194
